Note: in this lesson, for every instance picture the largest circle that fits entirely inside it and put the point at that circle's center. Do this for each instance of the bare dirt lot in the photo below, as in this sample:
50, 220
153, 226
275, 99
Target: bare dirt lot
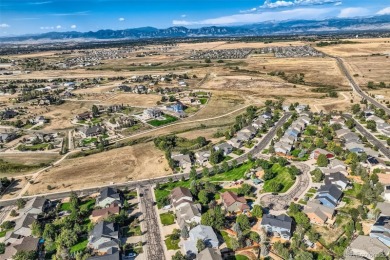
118, 165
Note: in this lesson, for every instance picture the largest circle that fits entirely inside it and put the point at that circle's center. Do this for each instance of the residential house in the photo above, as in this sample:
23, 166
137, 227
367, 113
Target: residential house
224, 147
202, 157
283, 148
368, 113
267, 115
341, 132
381, 230
293, 132
26, 244
355, 147
386, 193
100, 214
376, 119
318, 213
104, 238
152, 113
367, 247
318, 151
84, 116
233, 203
188, 212
350, 138
183, 160
337, 164
329, 195
236, 142
289, 139
7, 137
336, 120
38, 120
304, 118
204, 233
178, 107
383, 128
179, 194
114, 256
23, 225
90, 131
258, 123
209, 254
337, 179
36, 205
109, 196
8, 114
277, 225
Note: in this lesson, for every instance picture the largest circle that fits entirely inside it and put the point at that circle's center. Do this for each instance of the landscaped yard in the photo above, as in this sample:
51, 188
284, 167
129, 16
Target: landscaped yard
172, 244
356, 188
282, 177
87, 204
168, 119
227, 239
167, 218
65, 206
36, 147
132, 231
79, 246
203, 100
166, 188
233, 174
88, 141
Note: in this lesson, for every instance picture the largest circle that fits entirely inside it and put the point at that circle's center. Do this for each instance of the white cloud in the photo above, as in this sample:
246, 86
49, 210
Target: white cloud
384, 11
46, 27
73, 26
58, 27
4, 25
254, 9
285, 3
183, 16
338, 3
121, 19
308, 13
40, 3
353, 12
71, 14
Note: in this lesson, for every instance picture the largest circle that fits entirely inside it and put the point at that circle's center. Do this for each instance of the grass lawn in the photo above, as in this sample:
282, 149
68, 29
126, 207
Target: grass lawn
65, 206
168, 119
227, 239
233, 174
238, 152
134, 231
203, 100
87, 205
241, 257
172, 244
312, 190
2, 233
227, 158
356, 188
282, 176
79, 246
36, 147
87, 141
167, 219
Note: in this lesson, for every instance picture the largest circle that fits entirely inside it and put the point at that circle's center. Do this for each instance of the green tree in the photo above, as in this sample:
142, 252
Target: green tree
234, 243
322, 160
20, 203
205, 172
215, 156
317, 174
24, 255
178, 256
304, 255
243, 221
371, 124
257, 211
184, 232
193, 174
200, 245
355, 108
49, 232
203, 197
95, 111
67, 238
2, 248
245, 189
36, 229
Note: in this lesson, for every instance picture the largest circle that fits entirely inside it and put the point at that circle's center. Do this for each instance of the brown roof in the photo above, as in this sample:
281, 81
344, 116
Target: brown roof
28, 244
105, 211
229, 198
180, 192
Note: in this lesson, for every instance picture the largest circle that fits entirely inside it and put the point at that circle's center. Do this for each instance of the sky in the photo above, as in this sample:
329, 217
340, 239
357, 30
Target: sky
19, 17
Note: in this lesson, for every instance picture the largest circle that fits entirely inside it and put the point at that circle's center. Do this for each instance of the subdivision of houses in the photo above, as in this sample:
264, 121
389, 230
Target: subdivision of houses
109, 196
233, 203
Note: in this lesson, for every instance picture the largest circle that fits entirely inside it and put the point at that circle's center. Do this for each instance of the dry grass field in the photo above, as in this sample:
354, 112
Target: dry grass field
369, 68
134, 100
362, 47
119, 165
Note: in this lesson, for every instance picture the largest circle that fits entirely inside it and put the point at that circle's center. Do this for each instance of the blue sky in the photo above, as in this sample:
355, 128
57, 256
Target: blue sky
39, 16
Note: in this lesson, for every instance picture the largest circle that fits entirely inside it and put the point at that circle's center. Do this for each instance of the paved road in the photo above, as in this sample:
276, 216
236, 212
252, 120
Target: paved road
372, 139
134, 184
356, 87
154, 247
281, 201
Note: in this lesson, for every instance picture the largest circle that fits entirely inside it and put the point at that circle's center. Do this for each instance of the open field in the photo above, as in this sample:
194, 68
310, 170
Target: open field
362, 47
370, 68
137, 100
118, 165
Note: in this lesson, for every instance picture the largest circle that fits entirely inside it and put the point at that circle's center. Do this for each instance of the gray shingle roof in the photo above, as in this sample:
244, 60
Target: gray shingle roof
281, 221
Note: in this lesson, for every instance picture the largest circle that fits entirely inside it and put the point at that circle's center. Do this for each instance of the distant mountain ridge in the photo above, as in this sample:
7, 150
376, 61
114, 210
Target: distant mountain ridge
379, 23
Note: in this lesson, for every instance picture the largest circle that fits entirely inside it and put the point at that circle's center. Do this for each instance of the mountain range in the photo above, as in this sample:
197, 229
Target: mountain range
294, 27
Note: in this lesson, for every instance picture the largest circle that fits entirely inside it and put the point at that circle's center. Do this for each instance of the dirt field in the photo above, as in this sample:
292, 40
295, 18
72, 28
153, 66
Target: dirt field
118, 165
131, 99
